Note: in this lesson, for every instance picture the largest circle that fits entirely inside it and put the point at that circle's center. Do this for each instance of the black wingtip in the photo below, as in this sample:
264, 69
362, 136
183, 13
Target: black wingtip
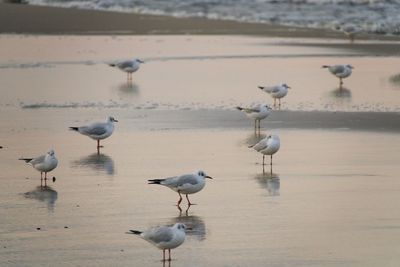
155, 181
25, 159
239, 108
261, 87
112, 65
134, 232
325, 66
74, 128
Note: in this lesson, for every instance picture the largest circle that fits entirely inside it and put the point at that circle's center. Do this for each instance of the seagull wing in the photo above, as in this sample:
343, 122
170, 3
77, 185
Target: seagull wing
125, 64
94, 129
186, 179
159, 235
37, 160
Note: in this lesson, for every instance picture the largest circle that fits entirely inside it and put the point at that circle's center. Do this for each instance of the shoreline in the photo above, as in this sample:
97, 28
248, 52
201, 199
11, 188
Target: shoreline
31, 19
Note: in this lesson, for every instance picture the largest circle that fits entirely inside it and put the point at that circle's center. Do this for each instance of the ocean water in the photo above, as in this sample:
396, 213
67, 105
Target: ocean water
370, 16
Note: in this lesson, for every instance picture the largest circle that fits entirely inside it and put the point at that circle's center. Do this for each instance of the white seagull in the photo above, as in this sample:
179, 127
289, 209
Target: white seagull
129, 66
340, 71
184, 184
277, 91
164, 237
268, 146
98, 130
44, 164
256, 113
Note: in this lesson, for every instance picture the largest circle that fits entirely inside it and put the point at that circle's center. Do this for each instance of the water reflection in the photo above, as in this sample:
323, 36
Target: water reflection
341, 92
254, 138
269, 181
97, 162
45, 194
196, 225
129, 89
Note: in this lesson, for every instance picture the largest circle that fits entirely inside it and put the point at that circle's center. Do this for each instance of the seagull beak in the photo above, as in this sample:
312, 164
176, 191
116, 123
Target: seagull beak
209, 177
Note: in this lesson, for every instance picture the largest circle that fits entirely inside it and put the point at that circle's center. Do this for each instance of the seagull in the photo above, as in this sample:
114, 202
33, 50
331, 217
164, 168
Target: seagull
276, 91
340, 71
98, 130
164, 237
350, 30
44, 164
257, 113
129, 66
268, 146
184, 184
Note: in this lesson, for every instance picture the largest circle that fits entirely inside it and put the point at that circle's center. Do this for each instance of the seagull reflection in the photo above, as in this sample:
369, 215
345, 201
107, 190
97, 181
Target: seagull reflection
269, 181
254, 138
97, 162
341, 92
195, 226
129, 89
45, 194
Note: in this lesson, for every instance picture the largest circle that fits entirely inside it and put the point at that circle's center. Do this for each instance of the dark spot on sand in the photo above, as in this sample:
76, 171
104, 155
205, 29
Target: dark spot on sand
65, 227
38, 228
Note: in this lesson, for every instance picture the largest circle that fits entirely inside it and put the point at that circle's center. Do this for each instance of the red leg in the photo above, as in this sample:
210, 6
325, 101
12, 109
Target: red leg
187, 197
180, 198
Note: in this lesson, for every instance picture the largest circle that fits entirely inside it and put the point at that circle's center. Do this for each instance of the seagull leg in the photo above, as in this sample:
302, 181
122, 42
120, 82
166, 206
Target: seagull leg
180, 199
187, 197
169, 254
163, 251
41, 179
45, 179
271, 160
263, 160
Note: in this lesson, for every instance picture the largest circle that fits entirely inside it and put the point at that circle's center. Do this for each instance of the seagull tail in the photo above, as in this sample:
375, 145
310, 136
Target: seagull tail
134, 232
251, 146
261, 87
155, 181
26, 159
112, 65
325, 66
74, 128
239, 108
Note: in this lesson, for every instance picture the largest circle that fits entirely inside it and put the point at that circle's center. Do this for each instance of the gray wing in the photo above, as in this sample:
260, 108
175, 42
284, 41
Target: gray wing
251, 110
161, 234
186, 179
37, 160
125, 64
338, 69
96, 129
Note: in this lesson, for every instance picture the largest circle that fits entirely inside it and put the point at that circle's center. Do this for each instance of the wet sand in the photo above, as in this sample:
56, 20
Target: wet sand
330, 199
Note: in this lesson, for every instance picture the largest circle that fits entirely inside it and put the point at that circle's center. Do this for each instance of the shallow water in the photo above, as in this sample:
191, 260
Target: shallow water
330, 200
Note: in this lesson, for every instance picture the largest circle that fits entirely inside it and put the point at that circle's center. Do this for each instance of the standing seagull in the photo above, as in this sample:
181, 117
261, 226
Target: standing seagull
276, 91
98, 130
340, 71
257, 113
185, 184
164, 237
268, 146
129, 66
44, 164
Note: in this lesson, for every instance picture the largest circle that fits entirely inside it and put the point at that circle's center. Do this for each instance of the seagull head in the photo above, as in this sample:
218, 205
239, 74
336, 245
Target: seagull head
267, 107
203, 174
51, 152
349, 66
286, 86
112, 119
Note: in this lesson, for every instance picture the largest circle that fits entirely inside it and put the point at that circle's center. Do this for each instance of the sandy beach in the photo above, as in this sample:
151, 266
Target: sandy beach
329, 199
